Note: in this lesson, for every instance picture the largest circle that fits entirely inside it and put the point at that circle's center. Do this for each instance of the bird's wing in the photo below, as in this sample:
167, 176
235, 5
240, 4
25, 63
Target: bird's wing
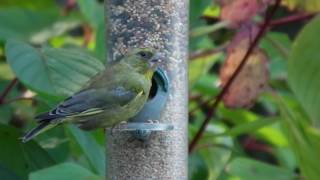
92, 101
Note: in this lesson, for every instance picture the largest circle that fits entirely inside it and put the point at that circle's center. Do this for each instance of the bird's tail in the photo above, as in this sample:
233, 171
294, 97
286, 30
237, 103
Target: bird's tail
43, 126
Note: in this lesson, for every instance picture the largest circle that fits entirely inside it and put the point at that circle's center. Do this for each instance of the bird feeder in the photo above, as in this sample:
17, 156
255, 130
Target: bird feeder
147, 120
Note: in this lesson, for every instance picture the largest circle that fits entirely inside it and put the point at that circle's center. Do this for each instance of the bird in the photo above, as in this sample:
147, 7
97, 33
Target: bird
112, 96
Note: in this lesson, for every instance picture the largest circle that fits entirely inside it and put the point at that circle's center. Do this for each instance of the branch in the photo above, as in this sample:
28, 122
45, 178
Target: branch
219, 97
206, 53
290, 19
252, 145
7, 90
204, 30
17, 99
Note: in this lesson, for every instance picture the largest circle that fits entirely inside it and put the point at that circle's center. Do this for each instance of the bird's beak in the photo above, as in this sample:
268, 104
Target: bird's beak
156, 60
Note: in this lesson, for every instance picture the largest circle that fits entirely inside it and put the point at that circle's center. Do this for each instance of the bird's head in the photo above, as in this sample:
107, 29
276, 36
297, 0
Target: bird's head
144, 60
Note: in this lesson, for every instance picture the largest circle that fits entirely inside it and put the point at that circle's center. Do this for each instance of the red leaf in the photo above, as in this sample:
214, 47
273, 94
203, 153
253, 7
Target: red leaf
250, 82
239, 11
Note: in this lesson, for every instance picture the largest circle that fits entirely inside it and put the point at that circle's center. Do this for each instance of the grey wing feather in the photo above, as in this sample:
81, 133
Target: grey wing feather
87, 101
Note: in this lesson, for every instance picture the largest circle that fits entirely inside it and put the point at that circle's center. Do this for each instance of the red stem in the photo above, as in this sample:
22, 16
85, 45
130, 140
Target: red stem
251, 144
87, 35
219, 97
7, 90
70, 4
290, 19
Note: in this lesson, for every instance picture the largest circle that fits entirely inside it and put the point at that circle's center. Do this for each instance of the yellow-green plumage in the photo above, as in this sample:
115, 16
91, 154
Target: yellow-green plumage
114, 95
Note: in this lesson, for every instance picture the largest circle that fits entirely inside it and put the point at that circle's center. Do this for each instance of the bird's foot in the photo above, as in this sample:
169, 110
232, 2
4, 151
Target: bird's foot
153, 121
123, 122
117, 127
112, 131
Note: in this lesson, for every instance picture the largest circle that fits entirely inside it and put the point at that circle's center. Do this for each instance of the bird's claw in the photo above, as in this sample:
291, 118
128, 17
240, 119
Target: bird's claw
153, 121
117, 127
123, 122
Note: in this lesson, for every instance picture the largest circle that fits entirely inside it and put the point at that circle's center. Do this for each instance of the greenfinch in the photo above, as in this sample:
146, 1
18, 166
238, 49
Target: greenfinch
112, 96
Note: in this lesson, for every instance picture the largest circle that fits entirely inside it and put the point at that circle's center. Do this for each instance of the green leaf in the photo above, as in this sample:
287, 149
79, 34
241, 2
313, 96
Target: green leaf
248, 169
92, 11
212, 11
59, 28
277, 46
7, 174
303, 138
271, 133
23, 23
92, 150
59, 72
197, 10
34, 4
206, 85
94, 14
197, 167
21, 158
205, 30
100, 48
285, 157
5, 72
64, 171
6, 113
216, 159
201, 66
304, 69
218, 154
306, 5
250, 127
56, 143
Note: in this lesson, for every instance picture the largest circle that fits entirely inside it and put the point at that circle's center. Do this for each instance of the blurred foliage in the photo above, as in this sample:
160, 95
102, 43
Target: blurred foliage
54, 46
64, 171
51, 71
310, 5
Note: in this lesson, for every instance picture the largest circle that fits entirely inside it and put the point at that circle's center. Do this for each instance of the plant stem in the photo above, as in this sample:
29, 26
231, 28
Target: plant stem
200, 31
17, 99
206, 53
290, 19
219, 97
283, 51
7, 90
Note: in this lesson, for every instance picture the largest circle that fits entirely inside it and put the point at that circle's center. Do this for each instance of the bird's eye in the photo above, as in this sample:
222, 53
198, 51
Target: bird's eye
142, 54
